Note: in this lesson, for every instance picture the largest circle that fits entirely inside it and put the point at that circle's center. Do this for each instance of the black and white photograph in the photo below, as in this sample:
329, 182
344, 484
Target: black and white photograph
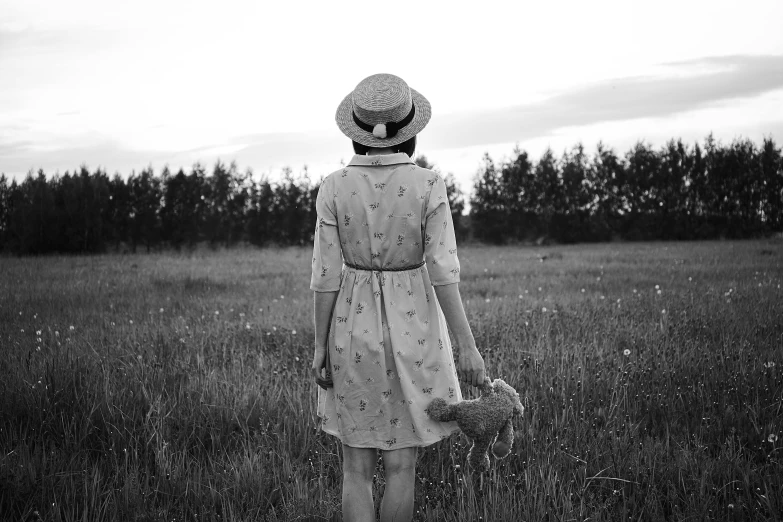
391, 261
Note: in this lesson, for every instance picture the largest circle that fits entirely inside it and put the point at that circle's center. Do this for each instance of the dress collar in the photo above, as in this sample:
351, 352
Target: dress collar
397, 158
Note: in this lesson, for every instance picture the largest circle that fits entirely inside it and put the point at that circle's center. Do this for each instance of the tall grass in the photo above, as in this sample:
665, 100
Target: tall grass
175, 387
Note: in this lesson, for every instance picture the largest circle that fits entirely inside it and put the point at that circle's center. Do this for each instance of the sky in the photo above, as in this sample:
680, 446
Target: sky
126, 85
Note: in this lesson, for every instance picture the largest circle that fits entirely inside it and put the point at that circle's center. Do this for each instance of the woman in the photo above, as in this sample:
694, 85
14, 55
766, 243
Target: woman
385, 275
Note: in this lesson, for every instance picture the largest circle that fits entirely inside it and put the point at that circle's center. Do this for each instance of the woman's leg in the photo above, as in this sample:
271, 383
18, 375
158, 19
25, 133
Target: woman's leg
358, 469
400, 471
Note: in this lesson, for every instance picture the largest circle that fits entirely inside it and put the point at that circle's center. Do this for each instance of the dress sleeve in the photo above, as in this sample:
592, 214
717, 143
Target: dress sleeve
327, 257
440, 245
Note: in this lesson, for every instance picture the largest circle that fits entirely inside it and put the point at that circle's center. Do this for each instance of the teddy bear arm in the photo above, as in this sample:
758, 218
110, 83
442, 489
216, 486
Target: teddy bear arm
441, 411
506, 433
478, 457
502, 446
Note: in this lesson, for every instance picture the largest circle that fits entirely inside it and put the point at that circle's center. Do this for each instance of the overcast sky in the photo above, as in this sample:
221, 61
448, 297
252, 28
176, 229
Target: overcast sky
124, 85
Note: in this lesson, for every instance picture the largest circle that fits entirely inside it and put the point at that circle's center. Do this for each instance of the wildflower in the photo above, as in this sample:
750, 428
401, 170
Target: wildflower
71, 328
583, 290
602, 298
161, 310
634, 290
626, 352
486, 300
38, 332
657, 287
520, 296
598, 278
131, 321
690, 279
293, 332
663, 311
57, 334
543, 309
217, 312
22, 330
241, 314
659, 292
247, 326
773, 438
769, 365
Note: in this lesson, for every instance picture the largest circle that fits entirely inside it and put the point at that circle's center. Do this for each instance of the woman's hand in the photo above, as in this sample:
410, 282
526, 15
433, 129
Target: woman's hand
471, 366
320, 368
319, 362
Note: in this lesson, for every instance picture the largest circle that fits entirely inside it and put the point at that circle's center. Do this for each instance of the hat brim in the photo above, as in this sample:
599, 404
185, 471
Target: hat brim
344, 119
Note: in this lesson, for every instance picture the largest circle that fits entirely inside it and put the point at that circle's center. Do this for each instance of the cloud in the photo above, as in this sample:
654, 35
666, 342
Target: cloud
691, 85
26, 42
258, 151
20, 157
295, 148
623, 108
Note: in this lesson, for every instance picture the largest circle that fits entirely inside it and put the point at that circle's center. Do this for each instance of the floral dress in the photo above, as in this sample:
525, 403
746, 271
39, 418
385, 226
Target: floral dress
388, 342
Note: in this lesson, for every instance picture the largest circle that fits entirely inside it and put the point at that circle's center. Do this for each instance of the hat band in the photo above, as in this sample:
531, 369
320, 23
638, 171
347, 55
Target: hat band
385, 130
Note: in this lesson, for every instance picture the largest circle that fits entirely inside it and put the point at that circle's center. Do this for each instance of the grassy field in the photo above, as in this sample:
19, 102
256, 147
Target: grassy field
174, 387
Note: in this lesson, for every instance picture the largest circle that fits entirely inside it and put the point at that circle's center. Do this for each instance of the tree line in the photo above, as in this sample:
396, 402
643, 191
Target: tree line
674, 192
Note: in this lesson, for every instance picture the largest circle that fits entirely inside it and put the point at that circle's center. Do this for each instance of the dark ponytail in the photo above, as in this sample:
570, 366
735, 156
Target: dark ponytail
408, 147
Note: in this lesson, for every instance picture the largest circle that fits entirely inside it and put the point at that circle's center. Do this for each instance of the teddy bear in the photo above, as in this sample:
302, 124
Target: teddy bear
483, 419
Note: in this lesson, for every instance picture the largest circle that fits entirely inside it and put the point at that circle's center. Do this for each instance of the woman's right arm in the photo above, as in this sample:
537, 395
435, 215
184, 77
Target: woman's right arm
471, 364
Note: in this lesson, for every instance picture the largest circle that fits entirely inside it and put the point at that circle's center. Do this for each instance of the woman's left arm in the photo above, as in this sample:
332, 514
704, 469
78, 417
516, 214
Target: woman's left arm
323, 306
326, 272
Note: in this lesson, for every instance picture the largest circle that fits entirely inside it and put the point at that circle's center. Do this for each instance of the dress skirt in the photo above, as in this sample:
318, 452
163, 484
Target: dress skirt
390, 355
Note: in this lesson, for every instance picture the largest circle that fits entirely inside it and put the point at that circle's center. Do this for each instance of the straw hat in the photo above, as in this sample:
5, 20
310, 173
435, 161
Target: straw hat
382, 111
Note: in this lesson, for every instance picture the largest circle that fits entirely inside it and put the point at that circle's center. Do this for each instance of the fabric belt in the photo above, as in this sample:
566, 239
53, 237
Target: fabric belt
370, 269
